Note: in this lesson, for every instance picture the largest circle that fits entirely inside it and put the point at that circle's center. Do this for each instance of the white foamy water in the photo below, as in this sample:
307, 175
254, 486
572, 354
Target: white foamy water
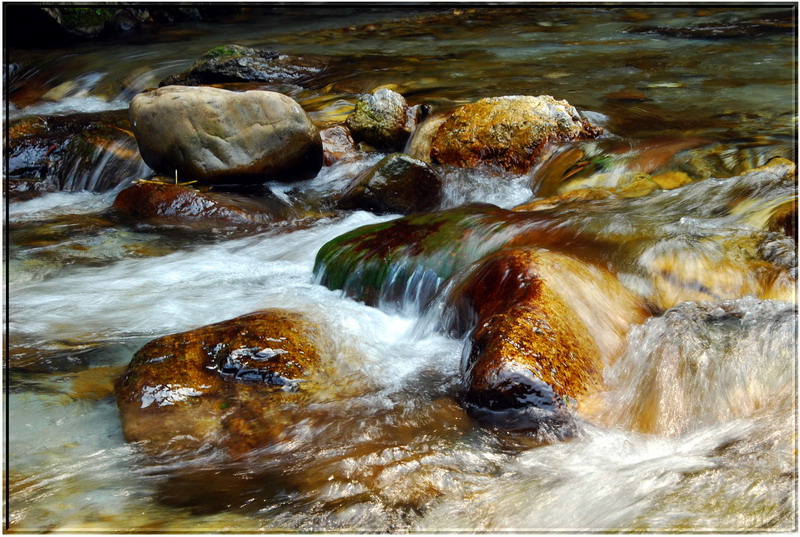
177, 291
60, 203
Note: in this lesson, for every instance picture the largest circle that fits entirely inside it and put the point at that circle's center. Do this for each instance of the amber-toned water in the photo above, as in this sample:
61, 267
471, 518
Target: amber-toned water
696, 430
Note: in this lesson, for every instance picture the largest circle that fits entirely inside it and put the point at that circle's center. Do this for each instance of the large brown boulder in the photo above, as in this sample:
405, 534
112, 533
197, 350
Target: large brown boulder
213, 135
397, 184
509, 131
537, 344
197, 386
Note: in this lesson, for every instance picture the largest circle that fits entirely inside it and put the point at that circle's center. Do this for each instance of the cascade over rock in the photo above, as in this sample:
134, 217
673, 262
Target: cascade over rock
218, 136
508, 131
84, 151
199, 385
408, 258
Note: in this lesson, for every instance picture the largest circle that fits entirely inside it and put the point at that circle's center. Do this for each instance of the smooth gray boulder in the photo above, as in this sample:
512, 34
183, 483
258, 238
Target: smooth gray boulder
212, 135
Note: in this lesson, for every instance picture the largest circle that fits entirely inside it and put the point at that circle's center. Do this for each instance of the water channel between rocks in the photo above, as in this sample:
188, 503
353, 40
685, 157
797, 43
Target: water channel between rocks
695, 427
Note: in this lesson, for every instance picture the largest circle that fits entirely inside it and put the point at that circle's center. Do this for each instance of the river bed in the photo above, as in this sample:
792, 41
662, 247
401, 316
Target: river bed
696, 428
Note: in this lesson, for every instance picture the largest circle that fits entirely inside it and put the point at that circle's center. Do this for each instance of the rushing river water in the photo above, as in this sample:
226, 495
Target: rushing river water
696, 427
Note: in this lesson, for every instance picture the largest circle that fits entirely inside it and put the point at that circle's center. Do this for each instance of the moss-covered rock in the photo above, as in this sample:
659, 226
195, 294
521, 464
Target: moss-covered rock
85, 22
185, 389
373, 263
506, 131
382, 119
396, 184
235, 63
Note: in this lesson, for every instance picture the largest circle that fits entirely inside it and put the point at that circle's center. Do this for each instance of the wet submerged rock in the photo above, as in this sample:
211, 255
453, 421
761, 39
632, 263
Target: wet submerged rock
235, 63
94, 151
222, 383
506, 131
382, 119
396, 184
160, 201
218, 136
780, 22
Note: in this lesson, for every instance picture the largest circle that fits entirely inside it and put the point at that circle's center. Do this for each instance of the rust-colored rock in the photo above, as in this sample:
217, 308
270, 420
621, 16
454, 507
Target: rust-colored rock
196, 386
538, 344
507, 131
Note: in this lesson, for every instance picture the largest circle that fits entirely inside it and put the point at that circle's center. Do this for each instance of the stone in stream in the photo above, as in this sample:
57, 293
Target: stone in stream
235, 63
337, 144
161, 201
509, 131
541, 327
86, 151
382, 119
396, 184
217, 136
223, 383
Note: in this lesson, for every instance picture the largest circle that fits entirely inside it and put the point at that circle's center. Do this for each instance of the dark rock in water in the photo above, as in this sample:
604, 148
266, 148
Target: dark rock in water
222, 383
336, 144
382, 119
397, 184
784, 219
506, 131
776, 23
92, 152
235, 63
216, 136
171, 203
84, 22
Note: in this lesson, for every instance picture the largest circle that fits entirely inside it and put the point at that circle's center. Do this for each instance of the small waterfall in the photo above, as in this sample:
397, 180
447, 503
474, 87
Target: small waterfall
701, 364
106, 167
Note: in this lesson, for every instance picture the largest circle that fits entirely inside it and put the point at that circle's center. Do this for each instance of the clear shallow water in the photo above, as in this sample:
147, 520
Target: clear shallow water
696, 428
